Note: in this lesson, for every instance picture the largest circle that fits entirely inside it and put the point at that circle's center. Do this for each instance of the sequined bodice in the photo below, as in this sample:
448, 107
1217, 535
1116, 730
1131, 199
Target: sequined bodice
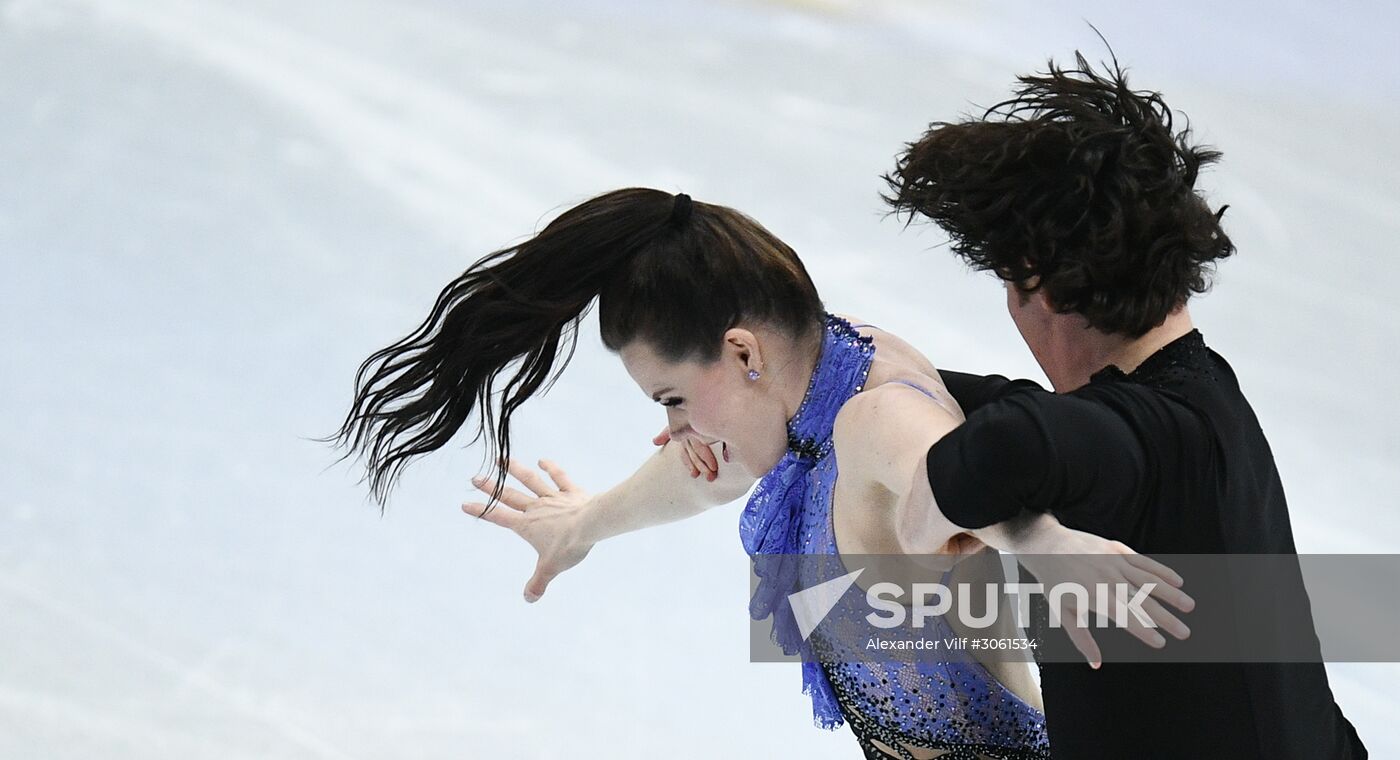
953, 704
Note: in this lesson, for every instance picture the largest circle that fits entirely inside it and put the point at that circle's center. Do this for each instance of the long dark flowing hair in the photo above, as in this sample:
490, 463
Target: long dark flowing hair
664, 269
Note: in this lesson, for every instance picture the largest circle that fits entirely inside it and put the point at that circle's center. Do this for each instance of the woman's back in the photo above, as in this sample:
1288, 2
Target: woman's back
898, 362
928, 705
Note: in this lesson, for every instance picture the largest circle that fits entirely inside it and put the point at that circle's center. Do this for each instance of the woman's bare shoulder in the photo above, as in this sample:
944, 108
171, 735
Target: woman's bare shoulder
898, 361
893, 349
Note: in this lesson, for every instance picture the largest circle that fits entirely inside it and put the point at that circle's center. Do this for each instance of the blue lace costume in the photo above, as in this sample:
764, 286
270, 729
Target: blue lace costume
954, 705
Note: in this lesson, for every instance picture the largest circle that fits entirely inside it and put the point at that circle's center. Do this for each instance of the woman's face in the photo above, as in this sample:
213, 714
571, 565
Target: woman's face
716, 401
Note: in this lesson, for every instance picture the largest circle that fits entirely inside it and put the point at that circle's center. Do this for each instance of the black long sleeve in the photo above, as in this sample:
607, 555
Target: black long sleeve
1169, 459
1083, 456
972, 392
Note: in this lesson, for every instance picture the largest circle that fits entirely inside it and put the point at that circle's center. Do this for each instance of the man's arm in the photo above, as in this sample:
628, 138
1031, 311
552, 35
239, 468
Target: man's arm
1020, 465
1080, 457
972, 392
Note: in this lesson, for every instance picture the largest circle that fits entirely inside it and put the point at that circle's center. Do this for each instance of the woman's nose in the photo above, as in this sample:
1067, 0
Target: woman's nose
679, 428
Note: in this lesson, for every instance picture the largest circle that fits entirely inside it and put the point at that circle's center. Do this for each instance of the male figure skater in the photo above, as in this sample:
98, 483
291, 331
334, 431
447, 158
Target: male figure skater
1079, 195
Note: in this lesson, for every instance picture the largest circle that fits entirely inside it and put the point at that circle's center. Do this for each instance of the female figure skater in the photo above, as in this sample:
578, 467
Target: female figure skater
716, 320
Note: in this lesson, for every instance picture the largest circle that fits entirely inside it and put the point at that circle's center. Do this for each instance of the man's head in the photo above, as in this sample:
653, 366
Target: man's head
1078, 190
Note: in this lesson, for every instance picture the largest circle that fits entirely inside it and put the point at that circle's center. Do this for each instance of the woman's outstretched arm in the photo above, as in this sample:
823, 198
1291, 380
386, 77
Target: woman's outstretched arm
661, 491
563, 522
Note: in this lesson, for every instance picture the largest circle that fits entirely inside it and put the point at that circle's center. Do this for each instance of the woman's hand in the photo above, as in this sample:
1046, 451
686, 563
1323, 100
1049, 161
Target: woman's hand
700, 455
549, 519
1055, 554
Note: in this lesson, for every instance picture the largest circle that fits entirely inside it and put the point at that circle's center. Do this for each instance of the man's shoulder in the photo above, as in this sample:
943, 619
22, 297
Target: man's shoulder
1186, 371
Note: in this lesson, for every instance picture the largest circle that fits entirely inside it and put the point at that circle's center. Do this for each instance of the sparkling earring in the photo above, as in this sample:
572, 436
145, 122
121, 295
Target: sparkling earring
753, 374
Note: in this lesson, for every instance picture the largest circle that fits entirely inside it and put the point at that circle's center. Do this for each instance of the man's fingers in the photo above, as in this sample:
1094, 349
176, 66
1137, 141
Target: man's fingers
497, 514
557, 474
529, 478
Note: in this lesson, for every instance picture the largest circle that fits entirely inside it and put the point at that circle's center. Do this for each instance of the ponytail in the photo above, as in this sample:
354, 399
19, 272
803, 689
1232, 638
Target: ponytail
641, 250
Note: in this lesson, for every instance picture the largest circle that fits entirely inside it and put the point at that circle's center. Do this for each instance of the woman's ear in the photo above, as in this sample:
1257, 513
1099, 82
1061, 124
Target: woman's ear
743, 346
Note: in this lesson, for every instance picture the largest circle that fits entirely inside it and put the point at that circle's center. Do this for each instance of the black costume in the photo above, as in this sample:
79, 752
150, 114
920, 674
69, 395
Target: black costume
1167, 459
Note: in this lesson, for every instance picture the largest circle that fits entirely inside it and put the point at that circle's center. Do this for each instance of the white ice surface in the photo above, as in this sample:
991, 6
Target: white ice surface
210, 212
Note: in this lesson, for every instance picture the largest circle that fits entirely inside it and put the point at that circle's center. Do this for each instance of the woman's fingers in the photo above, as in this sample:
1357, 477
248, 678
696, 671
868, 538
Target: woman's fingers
557, 474
707, 456
1121, 611
1161, 590
509, 496
1164, 619
498, 514
529, 478
1130, 622
1139, 590
702, 458
698, 455
1081, 638
1154, 567
693, 455
661, 438
535, 587
689, 457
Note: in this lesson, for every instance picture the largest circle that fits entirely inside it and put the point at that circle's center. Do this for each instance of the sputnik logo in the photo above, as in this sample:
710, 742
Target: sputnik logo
810, 606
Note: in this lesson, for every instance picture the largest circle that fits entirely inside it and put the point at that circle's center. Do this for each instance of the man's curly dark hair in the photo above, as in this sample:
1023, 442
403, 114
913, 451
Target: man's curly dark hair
1077, 185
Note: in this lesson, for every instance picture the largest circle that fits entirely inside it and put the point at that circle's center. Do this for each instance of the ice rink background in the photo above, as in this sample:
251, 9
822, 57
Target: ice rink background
210, 212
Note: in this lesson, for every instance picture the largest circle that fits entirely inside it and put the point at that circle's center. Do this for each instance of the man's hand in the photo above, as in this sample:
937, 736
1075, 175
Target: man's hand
549, 519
